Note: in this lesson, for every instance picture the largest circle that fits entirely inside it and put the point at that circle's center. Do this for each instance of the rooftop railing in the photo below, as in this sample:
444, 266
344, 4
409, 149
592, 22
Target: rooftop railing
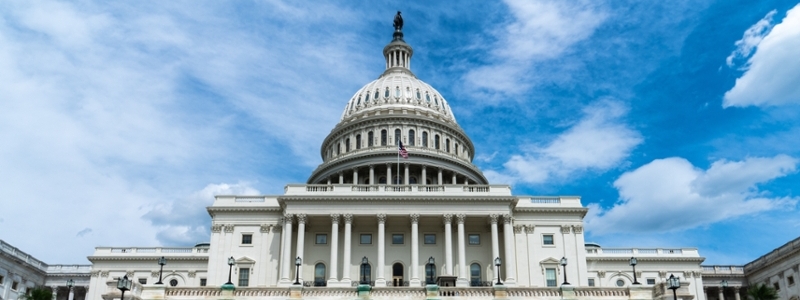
593, 251
25, 257
715, 269
152, 250
399, 189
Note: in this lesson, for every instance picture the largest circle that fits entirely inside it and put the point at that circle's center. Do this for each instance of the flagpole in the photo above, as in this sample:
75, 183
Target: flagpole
398, 162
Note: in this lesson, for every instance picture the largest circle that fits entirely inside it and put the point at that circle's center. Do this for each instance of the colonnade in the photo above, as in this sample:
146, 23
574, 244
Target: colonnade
462, 277
439, 176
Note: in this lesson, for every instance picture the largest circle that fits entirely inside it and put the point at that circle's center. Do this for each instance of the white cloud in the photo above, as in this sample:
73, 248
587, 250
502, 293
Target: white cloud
540, 30
597, 142
672, 194
752, 37
773, 71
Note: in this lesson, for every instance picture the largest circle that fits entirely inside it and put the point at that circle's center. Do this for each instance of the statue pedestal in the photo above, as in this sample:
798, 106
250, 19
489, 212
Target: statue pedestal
363, 291
431, 292
296, 292
567, 291
500, 292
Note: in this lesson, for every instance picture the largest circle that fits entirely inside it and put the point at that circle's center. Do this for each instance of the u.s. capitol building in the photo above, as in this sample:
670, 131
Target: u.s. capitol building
426, 226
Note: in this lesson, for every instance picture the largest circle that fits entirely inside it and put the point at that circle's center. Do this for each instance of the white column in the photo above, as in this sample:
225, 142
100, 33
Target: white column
329, 181
301, 239
721, 293
287, 249
282, 256
495, 240
341, 178
509, 262
380, 276
736, 293
389, 177
53, 288
439, 181
414, 250
371, 174
424, 176
462, 252
71, 294
348, 221
454, 178
355, 176
405, 172
448, 244
334, 262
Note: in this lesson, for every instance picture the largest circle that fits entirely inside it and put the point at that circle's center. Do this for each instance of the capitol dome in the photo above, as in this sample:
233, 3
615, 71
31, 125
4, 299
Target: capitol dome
393, 109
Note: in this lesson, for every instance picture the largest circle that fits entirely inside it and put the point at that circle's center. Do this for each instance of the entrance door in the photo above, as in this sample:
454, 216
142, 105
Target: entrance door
397, 274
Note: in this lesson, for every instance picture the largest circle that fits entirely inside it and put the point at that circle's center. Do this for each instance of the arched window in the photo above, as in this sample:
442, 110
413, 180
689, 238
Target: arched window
397, 274
347, 145
319, 275
366, 274
338, 149
436, 100
397, 180
424, 139
376, 95
397, 92
418, 95
447, 145
397, 136
412, 180
382, 180
358, 142
428, 97
411, 137
359, 100
386, 93
383, 137
366, 98
370, 138
456, 148
475, 274
436, 142
408, 92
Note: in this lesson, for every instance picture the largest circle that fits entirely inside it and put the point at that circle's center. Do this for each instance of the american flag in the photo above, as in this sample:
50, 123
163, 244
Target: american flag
403, 151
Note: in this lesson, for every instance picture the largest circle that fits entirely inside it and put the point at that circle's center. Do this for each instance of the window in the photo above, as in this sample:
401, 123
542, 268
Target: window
359, 101
366, 99
370, 138
319, 275
430, 273
347, 145
547, 239
322, 239
429, 239
397, 137
411, 137
382, 180
424, 139
456, 152
427, 97
418, 95
475, 274
383, 137
2, 278
376, 95
366, 239
203, 282
338, 149
247, 239
358, 141
436, 100
620, 282
790, 280
447, 145
244, 276
775, 285
397, 91
651, 281
386, 93
474, 239
365, 273
173, 282
142, 280
14, 285
550, 276
397, 239
591, 281
436, 142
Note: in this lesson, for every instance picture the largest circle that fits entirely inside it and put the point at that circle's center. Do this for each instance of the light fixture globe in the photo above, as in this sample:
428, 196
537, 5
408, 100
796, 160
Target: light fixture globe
633, 261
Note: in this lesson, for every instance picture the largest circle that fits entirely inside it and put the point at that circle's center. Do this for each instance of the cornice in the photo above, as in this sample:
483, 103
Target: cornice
145, 258
582, 210
757, 264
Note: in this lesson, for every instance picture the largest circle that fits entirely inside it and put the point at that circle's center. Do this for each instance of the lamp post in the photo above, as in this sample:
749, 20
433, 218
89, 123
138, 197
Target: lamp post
674, 285
231, 262
430, 270
364, 266
564, 267
497, 263
297, 262
70, 284
123, 284
161, 262
633, 264
723, 284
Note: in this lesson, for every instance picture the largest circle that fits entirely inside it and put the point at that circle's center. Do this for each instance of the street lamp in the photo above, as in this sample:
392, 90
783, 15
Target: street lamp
123, 284
161, 262
633, 264
564, 267
674, 285
231, 262
297, 262
430, 270
724, 284
70, 284
497, 263
364, 266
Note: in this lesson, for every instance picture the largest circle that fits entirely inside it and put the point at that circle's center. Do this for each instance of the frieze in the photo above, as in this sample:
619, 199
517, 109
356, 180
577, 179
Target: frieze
493, 218
348, 218
414, 218
381, 218
334, 218
228, 228
565, 229
460, 218
508, 219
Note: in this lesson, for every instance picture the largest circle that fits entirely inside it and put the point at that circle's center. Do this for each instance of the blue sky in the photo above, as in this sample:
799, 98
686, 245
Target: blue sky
677, 122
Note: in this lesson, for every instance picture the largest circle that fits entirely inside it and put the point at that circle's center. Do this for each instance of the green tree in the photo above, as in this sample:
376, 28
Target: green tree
762, 292
38, 293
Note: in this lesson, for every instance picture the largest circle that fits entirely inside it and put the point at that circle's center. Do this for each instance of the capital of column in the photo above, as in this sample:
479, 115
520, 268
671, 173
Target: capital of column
493, 218
348, 218
565, 229
424, 167
414, 218
288, 218
381, 218
371, 167
460, 218
335, 218
448, 218
301, 218
507, 218
266, 228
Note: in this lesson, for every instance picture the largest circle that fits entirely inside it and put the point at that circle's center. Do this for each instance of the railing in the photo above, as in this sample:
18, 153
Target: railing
397, 283
172, 250
465, 292
446, 189
554, 200
205, 292
476, 189
430, 188
317, 283
397, 188
636, 251
617, 251
13, 251
69, 268
722, 269
318, 188
356, 283
534, 292
250, 199
602, 292
365, 188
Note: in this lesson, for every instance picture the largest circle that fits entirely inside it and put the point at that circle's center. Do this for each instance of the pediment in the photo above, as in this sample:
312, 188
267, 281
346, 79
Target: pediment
244, 260
549, 260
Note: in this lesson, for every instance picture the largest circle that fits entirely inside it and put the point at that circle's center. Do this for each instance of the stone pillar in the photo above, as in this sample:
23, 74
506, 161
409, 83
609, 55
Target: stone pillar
341, 178
334, 272
301, 239
424, 176
287, 249
448, 244
736, 293
495, 241
371, 174
454, 178
329, 181
509, 261
71, 295
462, 253
54, 288
405, 174
389, 178
348, 221
439, 181
705, 292
355, 176
414, 250
721, 293
380, 279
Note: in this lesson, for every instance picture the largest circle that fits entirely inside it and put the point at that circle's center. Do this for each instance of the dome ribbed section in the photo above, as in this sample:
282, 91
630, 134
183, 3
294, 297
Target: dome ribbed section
399, 90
